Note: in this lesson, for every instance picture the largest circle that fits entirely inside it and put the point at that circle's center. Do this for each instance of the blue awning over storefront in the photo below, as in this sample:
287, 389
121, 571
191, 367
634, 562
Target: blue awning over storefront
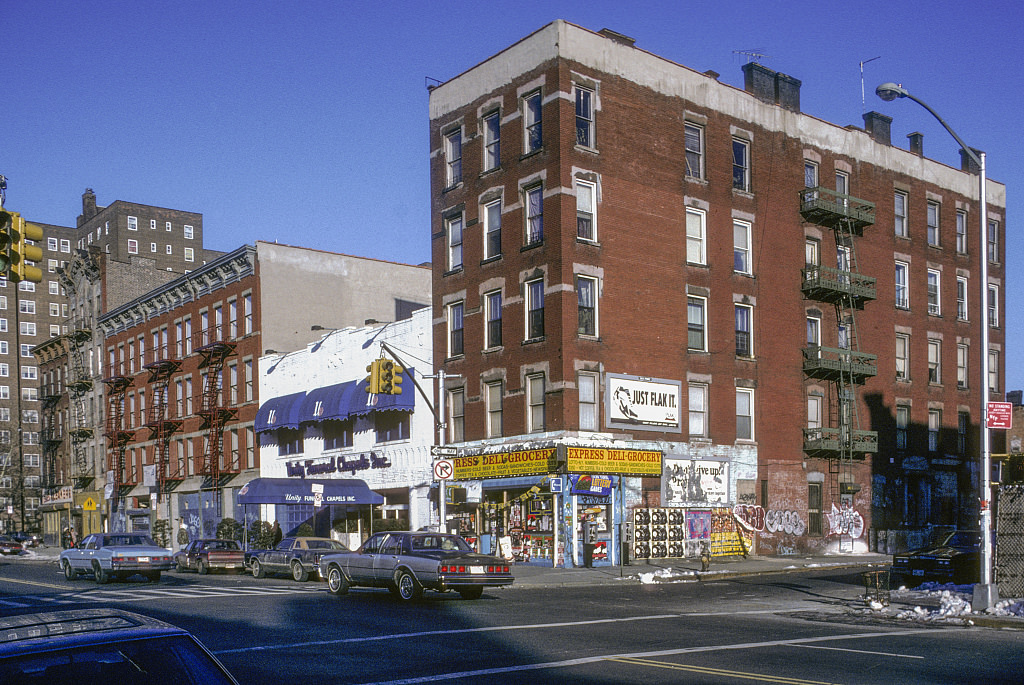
300, 491
330, 402
279, 412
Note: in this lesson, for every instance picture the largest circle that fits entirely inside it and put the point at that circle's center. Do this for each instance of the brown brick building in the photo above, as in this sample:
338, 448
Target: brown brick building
631, 255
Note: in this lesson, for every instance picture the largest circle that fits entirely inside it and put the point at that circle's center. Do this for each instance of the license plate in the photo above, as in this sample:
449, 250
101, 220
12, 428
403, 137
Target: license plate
476, 569
143, 560
918, 571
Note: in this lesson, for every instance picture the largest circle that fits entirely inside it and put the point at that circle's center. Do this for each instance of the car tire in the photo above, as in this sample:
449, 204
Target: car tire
202, 568
257, 569
409, 589
99, 574
337, 581
152, 576
180, 565
475, 592
299, 573
69, 572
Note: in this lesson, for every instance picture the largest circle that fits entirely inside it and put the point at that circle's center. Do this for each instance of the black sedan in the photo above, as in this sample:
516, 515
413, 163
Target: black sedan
406, 563
9, 545
955, 558
299, 556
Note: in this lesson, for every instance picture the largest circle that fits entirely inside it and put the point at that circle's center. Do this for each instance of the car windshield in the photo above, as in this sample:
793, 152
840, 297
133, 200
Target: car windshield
128, 541
223, 544
325, 544
962, 538
446, 543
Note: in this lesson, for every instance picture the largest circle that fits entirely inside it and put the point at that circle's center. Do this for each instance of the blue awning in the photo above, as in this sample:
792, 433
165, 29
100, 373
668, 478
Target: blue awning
364, 403
330, 402
300, 491
279, 412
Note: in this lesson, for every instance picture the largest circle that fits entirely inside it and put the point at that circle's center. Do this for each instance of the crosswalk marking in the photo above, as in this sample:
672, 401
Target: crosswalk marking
145, 594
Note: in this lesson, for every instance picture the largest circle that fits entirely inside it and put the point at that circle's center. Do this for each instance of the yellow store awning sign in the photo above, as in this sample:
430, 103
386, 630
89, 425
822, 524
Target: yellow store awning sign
504, 464
619, 462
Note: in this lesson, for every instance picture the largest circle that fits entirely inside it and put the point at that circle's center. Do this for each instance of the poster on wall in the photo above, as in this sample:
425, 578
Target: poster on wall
692, 481
642, 403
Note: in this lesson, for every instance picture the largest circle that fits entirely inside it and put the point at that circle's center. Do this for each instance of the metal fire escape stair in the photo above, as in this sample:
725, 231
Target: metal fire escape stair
117, 435
161, 426
213, 353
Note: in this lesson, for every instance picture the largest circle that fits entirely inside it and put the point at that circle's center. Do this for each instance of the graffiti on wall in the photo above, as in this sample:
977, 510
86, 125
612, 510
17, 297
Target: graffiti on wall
845, 521
755, 518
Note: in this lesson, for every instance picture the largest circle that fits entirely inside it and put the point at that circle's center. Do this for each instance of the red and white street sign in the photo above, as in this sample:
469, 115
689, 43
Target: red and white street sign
443, 469
1000, 415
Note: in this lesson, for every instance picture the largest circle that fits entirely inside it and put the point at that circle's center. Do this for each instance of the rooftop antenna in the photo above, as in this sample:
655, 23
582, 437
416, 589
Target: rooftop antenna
863, 105
754, 55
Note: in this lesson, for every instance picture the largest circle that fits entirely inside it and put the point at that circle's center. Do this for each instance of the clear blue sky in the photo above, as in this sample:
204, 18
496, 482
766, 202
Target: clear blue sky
306, 122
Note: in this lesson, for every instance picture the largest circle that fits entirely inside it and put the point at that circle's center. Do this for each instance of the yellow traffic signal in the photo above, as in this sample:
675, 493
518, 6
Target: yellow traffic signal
386, 376
396, 381
6, 228
373, 380
21, 251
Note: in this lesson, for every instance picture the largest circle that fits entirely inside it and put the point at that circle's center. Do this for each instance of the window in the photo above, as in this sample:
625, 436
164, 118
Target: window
534, 309
532, 138
961, 231
693, 138
492, 302
29, 373
961, 298
51, 265
993, 306
167, 226
695, 252
698, 410
28, 328
453, 157
51, 244
455, 330
54, 309
492, 229
902, 292
534, 202
933, 223
902, 357
740, 164
934, 428
584, 117
902, 422
54, 288
814, 411
152, 224
457, 404
963, 423
586, 298
5, 370
842, 186
993, 370
962, 352
454, 242
337, 434
934, 299
900, 211
289, 441
188, 231
535, 403
993, 242
492, 141
169, 249
133, 247
741, 247
152, 247
494, 399
586, 204
744, 341
813, 331
189, 254
696, 324
27, 306
934, 361
5, 392
3, 325
247, 323
744, 414
133, 223
588, 401
814, 517
810, 177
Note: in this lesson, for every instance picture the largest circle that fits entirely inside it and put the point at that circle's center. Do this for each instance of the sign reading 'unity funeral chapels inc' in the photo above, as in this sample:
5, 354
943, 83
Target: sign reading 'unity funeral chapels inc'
643, 403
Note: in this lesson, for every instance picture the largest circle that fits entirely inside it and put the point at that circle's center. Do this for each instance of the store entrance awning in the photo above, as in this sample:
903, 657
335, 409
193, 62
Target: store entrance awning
300, 491
279, 412
330, 402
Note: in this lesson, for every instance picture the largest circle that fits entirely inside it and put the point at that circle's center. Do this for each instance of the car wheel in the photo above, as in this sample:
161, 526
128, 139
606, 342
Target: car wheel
257, 569
99, 574
153, 576
202, 567
299, 573
474, 592
69, 572
180, 565
337, 583
409, 588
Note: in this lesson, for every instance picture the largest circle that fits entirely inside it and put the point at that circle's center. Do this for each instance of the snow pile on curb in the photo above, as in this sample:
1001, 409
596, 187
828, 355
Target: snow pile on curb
665, 575
1009, 607
951, 605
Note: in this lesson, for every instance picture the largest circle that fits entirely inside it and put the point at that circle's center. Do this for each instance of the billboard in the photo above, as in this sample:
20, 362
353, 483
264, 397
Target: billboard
641, 403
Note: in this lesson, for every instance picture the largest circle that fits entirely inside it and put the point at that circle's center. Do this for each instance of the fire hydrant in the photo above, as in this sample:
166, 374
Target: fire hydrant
705, 556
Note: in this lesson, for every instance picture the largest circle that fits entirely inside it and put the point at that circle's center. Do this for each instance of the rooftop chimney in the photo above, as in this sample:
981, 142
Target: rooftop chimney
916, 143
787, 92
88, 206
618, 37
879, 127
759, 81
967, 164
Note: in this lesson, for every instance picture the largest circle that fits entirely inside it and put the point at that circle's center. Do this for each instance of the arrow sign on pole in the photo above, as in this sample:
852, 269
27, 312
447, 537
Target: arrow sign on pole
439, 451
443, 469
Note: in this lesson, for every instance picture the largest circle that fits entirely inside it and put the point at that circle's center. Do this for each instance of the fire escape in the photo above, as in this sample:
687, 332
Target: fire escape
54, 473
161, 426
214, 351
79, 382
844, 367
118, 437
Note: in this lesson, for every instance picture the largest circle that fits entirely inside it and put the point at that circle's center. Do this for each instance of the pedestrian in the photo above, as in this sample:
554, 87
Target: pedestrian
589, 541
277, 533
73, 536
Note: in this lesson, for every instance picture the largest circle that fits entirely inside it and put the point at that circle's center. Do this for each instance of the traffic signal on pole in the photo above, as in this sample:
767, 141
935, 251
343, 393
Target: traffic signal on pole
386, 376
22, 251
396, 380
6, 229
373, 380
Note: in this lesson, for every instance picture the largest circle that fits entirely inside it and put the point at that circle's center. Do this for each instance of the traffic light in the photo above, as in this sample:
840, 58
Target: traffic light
396, 381
6, 228
21, 252
386, 377
373, 380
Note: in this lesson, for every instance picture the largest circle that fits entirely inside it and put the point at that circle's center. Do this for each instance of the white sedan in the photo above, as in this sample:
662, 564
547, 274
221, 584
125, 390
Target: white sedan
116, 555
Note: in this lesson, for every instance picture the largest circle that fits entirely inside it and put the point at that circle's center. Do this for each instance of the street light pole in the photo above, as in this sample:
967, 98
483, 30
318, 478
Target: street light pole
986, 594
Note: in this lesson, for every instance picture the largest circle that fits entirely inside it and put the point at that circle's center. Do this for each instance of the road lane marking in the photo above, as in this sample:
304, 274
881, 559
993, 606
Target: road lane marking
735, 675
35, 583
862, 651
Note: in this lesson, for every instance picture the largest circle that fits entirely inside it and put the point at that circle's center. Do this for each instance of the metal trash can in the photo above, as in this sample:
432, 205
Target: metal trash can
876, 587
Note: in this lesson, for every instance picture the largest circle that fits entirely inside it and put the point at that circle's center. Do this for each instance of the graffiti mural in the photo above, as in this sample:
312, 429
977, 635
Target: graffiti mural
750, 516
755, 518
845, 521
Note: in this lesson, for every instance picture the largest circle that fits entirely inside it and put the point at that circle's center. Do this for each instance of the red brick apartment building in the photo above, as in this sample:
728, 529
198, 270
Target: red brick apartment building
633, 256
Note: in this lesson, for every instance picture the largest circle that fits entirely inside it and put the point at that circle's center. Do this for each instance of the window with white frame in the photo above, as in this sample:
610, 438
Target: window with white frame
492, 229
586, 298
810, 177
152, 224
902, 424
584, 117
532, 132
51, 244
28, 328
934, 292
535, 309
934, 360
933, 223
457, 414
133, 247
961, 231
744, 330
29, 373
535, 403
587, 383
814, 411
453, 157
492, 304
189, 254
54, 309
586, 214
169, 249
695, 243
961, 298
993, 242
5, 370
934, 429
455, 330
740, 164
902, 291
5, 392
902, 357
27, 306
533, 201
188, 231
698, 410
133, 223
993, 370
744, 414
454, 230
51, 265
152, 247
993, 306
494, 409
696, 324
3, 325
54, 288
693, 140
900, 212
741, 262
813, 331
492, 140
962, 357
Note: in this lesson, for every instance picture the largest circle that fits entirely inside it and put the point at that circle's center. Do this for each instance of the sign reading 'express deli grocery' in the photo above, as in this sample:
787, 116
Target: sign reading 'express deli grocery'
621, 462
504, 464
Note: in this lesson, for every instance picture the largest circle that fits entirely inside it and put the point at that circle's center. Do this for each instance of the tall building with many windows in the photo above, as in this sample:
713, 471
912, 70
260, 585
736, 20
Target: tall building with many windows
727, 312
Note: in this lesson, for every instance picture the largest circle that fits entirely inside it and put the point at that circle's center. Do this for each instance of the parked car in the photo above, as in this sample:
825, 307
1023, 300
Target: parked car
407, 562
210, 555
9, 545
115, 555
299, 556
102, 646
955, 558
28, 540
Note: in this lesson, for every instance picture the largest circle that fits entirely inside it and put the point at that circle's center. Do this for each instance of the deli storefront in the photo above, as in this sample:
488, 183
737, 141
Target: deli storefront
534, 505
